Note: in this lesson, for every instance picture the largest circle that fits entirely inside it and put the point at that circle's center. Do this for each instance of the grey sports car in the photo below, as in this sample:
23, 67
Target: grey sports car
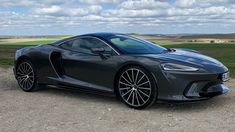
137, 71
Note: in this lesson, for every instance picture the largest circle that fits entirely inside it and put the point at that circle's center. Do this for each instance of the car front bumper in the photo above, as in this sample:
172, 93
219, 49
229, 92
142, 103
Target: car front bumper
205, 91
178, 86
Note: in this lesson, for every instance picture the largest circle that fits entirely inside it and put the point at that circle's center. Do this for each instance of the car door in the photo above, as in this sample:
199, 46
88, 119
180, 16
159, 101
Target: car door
81, 64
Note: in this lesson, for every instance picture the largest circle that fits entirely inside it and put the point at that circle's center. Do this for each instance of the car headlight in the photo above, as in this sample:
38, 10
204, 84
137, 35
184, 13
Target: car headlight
177, 67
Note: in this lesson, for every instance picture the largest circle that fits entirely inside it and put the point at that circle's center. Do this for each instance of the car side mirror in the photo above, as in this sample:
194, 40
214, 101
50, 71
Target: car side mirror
100, 52
97, 50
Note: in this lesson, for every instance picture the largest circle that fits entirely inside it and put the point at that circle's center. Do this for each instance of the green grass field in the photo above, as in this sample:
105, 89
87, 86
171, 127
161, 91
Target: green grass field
26, 43
223, 52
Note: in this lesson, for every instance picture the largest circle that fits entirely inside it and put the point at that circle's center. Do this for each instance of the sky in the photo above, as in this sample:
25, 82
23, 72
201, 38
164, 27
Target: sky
74, 17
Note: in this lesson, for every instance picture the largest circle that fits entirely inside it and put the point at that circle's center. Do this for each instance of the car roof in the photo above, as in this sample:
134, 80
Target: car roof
102, 35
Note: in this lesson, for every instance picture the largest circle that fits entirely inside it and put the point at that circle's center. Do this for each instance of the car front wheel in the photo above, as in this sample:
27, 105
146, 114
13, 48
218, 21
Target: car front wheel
136, 87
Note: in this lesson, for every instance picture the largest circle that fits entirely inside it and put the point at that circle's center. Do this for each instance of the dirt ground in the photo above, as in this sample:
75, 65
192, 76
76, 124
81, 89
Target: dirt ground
64, 110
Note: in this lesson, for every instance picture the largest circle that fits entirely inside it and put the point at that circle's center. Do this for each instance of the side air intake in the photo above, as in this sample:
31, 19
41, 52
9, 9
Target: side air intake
56, 61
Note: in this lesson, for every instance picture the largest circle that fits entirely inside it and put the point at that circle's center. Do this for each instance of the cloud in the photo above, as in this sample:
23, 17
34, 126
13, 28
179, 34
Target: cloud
144, 4
118, 15
49, 10
144, 13
185, 3
98, 1
67, 11
31, 3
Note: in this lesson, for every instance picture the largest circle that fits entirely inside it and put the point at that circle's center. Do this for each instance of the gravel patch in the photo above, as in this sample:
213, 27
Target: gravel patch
66, 110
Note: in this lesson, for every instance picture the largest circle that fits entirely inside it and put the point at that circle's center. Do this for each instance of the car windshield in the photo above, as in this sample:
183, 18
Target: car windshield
132, 45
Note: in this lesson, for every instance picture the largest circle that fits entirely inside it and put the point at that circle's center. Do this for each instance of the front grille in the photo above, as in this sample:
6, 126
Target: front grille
193, 90
202, 89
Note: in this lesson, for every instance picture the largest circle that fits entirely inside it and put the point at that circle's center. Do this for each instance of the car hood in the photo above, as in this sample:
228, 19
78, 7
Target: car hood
192, 58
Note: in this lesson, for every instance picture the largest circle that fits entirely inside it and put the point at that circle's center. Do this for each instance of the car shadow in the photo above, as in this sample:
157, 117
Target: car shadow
188, 106
82, 95
159, 106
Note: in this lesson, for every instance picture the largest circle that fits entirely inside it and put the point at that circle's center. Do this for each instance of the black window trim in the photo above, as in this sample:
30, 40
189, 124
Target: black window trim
81, 37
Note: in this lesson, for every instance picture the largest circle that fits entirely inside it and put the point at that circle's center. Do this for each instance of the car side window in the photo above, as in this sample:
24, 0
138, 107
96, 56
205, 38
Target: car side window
84, 45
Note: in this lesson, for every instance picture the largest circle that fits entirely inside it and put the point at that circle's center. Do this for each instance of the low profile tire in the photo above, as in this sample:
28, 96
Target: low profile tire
26, 76
136, 87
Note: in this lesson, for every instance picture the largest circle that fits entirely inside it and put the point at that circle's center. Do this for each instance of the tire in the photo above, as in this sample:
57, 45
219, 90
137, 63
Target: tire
136, 87
26, 76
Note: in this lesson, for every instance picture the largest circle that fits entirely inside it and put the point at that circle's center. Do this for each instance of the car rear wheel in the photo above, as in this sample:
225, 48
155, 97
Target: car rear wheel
137, 87
26, 76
